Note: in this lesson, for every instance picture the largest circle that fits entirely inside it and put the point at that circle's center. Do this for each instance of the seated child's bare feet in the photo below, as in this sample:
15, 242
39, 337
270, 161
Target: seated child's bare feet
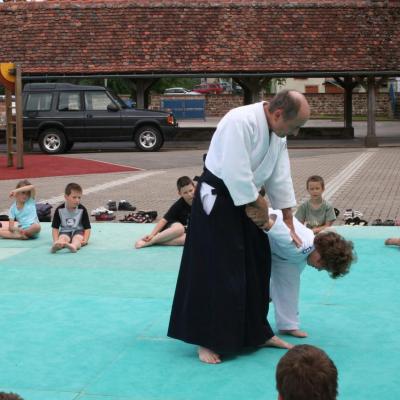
294, 332
393, 241
208, 356
141, 243
56, 246
71, 247
275, 341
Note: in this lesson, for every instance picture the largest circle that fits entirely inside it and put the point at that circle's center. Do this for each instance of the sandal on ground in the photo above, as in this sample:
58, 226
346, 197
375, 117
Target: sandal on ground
388, 222
377, 222
363, 222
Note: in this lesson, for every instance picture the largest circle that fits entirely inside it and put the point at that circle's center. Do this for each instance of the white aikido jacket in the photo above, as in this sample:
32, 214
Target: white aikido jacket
288, 261
246, 156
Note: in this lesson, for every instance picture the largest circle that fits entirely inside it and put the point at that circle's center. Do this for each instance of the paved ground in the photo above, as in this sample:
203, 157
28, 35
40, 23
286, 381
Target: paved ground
358, 178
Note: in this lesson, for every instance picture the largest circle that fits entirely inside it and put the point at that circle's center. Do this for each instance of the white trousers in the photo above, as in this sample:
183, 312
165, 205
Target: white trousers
284, 291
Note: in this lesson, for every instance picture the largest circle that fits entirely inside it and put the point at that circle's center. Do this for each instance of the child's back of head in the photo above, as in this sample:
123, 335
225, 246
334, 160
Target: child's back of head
306, 372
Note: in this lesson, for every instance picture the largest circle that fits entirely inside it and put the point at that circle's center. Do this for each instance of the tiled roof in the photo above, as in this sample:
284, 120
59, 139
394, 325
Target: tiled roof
242, 36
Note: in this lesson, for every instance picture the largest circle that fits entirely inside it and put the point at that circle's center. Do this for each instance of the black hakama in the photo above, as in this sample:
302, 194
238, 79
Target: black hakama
222, 293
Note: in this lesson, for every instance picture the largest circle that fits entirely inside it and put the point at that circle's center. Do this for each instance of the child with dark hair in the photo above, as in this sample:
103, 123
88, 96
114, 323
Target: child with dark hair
325, 251
306, 372
23, 211
71, 224
171, 229
316, 213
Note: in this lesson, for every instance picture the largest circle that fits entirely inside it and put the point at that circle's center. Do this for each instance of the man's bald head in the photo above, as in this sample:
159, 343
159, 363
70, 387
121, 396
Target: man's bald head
287, 112
291, 103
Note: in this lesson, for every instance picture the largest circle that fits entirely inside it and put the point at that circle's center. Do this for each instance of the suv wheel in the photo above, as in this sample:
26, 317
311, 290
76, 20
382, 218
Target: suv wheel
52, 141
148, 138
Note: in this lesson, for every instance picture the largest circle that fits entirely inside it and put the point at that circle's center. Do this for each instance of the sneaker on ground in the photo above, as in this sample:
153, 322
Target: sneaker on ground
105, 216
112, 205
124, 205
98, 211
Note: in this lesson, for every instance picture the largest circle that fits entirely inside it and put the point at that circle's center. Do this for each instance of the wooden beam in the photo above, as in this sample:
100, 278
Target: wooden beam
370, 139
348, 102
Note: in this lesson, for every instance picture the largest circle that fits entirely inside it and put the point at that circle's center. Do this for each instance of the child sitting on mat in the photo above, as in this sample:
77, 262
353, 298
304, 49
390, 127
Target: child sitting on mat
171, 229
316, 213
23, 211
71, 224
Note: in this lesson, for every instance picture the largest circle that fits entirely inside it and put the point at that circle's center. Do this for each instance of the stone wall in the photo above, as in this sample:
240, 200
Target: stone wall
320, 103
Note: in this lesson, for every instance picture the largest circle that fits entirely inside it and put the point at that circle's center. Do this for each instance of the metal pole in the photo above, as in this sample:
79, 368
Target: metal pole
9, 128
18, 115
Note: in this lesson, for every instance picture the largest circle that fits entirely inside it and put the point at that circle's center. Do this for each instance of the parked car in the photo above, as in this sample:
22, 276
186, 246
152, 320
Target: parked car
227, 87
179, 91
206, 88
57, 115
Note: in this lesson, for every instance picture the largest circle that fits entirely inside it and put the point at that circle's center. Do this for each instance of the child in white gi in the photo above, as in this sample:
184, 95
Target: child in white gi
325, 251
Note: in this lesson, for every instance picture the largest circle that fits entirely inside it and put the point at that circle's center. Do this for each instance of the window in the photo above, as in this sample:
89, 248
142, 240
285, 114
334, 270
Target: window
97, 101
39, 102
69, 101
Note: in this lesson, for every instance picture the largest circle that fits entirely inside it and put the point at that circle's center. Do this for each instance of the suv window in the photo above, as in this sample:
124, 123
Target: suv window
39, 102
69, 101
96, 101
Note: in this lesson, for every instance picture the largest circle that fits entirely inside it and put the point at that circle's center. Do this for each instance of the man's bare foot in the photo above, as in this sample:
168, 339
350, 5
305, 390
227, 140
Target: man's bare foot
141, 243
294, 332
71, 247
208, 356
393, 241
56, 246
275, 341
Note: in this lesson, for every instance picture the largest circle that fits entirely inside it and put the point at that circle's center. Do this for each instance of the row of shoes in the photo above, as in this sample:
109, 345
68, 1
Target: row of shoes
123, 205
107, 214
140, 217
387, 222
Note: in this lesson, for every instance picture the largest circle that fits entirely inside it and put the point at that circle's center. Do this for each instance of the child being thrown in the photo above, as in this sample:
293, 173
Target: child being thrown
71, 224
171, 229
327, 251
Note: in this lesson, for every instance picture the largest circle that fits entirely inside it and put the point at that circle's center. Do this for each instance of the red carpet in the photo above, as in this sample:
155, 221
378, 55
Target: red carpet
41, 165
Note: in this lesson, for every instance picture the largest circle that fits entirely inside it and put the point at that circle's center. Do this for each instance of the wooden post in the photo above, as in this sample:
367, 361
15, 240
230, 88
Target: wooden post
19, 131
348, 102
370, 139
9, 128
252, 88
142, 91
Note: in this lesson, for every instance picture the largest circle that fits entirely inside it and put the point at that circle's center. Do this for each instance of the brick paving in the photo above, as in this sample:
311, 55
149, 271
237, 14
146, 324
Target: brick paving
374, 189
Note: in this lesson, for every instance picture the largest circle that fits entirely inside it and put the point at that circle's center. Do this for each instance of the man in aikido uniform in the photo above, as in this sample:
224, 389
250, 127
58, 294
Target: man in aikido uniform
325, 251
221, 297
